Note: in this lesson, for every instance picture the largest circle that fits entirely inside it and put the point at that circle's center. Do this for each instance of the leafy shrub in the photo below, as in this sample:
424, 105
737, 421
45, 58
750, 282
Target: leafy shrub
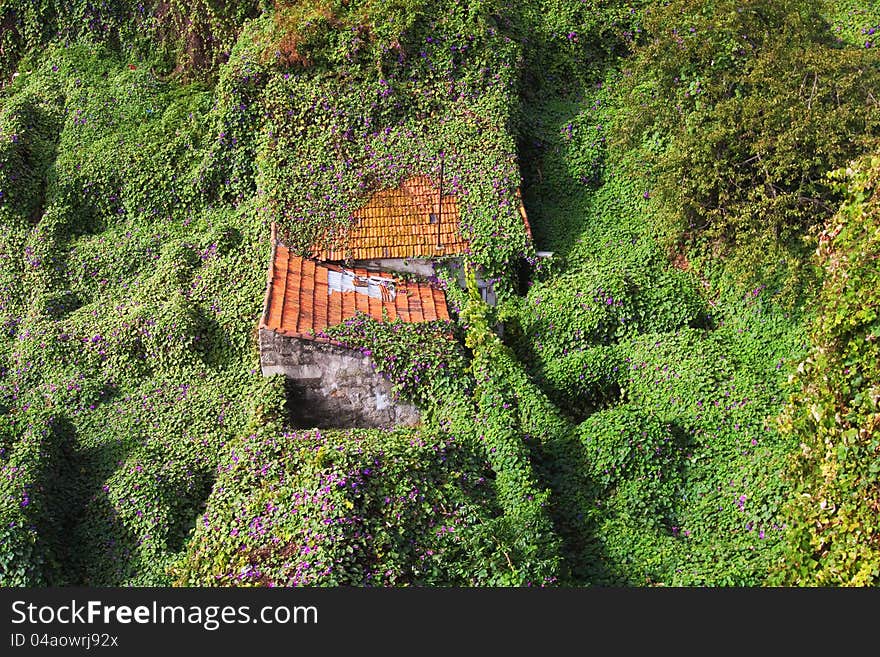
357, 508
622, 444
586, 379
833, 410
28, 132
728, 98
501, 423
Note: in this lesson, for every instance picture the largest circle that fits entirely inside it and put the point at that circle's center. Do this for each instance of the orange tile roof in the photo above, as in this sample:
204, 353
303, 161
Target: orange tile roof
396, 223
305, 296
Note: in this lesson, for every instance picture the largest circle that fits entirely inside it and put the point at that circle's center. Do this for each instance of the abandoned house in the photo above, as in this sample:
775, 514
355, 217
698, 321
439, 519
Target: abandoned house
328, 384
404, 230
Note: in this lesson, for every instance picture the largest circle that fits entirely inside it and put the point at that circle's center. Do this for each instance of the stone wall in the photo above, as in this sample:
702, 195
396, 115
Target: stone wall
329, 386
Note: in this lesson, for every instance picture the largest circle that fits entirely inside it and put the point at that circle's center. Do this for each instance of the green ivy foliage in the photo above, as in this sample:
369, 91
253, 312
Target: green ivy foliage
503, 431
375, 110
855, 22
356, 508
117, 316
423, 361
834, 410
31, 545
693, 340
188, 40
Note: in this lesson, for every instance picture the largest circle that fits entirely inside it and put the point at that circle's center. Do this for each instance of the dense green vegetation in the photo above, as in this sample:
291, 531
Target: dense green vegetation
834, 413
685, 393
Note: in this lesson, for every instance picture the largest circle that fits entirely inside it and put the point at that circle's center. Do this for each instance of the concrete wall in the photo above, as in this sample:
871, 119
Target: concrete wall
487, 291
402, 265
329, 386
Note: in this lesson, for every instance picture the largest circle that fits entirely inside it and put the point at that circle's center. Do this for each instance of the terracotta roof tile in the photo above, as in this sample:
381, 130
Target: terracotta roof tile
440, 304
303, 300
397, 223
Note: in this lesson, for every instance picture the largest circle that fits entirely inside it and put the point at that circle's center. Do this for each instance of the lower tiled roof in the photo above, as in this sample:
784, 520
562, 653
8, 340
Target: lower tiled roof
305, 296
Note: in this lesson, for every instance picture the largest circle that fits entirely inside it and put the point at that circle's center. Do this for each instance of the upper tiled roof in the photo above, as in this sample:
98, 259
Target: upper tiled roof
408, 221
305, 296
398, 223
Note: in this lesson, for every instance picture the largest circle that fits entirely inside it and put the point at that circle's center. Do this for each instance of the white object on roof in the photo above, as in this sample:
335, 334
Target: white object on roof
377, 287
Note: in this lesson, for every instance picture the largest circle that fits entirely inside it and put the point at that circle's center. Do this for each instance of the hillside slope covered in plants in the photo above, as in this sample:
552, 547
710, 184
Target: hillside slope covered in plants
685, 393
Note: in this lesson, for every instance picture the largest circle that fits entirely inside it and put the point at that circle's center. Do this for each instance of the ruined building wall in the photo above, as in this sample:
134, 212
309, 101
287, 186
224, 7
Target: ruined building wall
330, 386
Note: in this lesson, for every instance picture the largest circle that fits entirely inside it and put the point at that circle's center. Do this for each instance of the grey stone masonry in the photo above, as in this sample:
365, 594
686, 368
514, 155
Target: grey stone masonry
330, 386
